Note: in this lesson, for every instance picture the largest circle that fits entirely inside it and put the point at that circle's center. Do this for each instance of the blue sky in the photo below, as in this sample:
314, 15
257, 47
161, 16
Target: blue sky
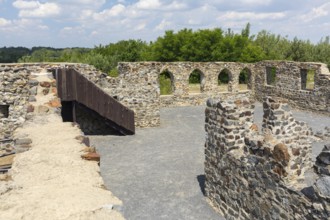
86, 23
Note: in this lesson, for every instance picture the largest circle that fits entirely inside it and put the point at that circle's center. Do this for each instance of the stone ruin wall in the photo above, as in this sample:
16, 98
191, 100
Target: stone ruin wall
260, 175
237, 159
137, 85
288, 84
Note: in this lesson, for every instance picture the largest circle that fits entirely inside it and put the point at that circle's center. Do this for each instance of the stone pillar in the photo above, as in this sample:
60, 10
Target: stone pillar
290, 138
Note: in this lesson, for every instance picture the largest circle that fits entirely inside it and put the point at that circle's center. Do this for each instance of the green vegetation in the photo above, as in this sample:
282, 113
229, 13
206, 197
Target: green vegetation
195, 77
310, 80
184, 45
165, 83
12, 54
271, 75
244, 76
223, 77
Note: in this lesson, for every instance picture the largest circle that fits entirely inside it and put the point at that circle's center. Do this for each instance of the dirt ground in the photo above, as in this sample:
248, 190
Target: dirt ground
51, 181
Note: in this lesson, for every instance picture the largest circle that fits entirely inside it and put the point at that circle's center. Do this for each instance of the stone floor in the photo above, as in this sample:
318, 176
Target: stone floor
158, 173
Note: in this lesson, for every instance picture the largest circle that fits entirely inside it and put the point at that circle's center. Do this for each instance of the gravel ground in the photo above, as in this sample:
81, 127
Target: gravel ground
158, 173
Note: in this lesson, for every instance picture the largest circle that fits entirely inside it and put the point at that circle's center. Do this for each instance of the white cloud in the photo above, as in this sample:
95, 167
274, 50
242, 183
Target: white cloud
317, 12
35, 9
20, 4
234, 15
97, 21
163, 25
148, 4
256, 2
4, 22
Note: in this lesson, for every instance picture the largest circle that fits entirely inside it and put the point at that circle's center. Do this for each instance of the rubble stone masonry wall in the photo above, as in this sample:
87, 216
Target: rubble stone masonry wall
137, 85
252, 175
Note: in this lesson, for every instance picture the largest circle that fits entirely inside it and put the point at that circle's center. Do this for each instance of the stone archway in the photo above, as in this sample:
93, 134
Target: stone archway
224, 80
196, 81
166, 82
245, 79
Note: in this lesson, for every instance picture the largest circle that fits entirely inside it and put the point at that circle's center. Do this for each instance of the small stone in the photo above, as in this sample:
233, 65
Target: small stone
91, 157
323, 186
55, 103
53, 83
309, 192
32, 99
33, 82
254, 127
324, 157
45, 84
54, 91
281, 154
295, 151
30, 109
23, 141
45, 91
42, 109
34, 90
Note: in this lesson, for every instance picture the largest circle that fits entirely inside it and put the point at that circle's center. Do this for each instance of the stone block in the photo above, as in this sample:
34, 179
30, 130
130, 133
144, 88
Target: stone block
45, 91
45, 84
91, 156
281, 154
23, 141
55, 103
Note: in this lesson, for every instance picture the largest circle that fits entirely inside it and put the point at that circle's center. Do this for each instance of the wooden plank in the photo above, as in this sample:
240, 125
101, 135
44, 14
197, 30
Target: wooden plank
63, 83
59, 83
74, 84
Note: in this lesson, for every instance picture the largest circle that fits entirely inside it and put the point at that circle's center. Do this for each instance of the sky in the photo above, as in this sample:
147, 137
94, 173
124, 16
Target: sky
88, 23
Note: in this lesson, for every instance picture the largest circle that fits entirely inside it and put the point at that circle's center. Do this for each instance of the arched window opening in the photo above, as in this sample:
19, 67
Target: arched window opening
307, 79
245, 79
224, 78
271, 75
166, 83
196, 81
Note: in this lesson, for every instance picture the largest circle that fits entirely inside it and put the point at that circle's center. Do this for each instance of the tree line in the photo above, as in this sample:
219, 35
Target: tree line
184, 45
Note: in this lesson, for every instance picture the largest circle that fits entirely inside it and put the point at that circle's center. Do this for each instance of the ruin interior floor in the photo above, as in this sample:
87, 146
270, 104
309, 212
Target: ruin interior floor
158, 172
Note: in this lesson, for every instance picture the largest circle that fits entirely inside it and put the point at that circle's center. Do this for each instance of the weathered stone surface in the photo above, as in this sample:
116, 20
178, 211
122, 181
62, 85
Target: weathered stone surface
91, 156
55, 103
23, 141
42, 109
33, 82
30, 109
324, 157
281, 154
323, 186
257, 180
45, 91
45, 84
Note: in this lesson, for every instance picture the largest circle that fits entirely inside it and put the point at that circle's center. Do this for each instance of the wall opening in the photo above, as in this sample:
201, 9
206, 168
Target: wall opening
271, 76
224, 78
307, 79
4, 111
196, 81
166, 83
244, 79
90, 122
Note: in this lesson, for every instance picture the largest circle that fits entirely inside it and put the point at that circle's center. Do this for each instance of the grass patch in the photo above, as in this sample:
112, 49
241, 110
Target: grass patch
165, 84
310, 79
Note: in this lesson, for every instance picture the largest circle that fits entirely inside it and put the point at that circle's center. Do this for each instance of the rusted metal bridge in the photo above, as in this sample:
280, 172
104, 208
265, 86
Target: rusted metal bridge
74, 87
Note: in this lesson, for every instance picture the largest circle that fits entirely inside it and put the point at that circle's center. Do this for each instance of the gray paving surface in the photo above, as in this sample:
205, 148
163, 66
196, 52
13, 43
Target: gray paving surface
157, 173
